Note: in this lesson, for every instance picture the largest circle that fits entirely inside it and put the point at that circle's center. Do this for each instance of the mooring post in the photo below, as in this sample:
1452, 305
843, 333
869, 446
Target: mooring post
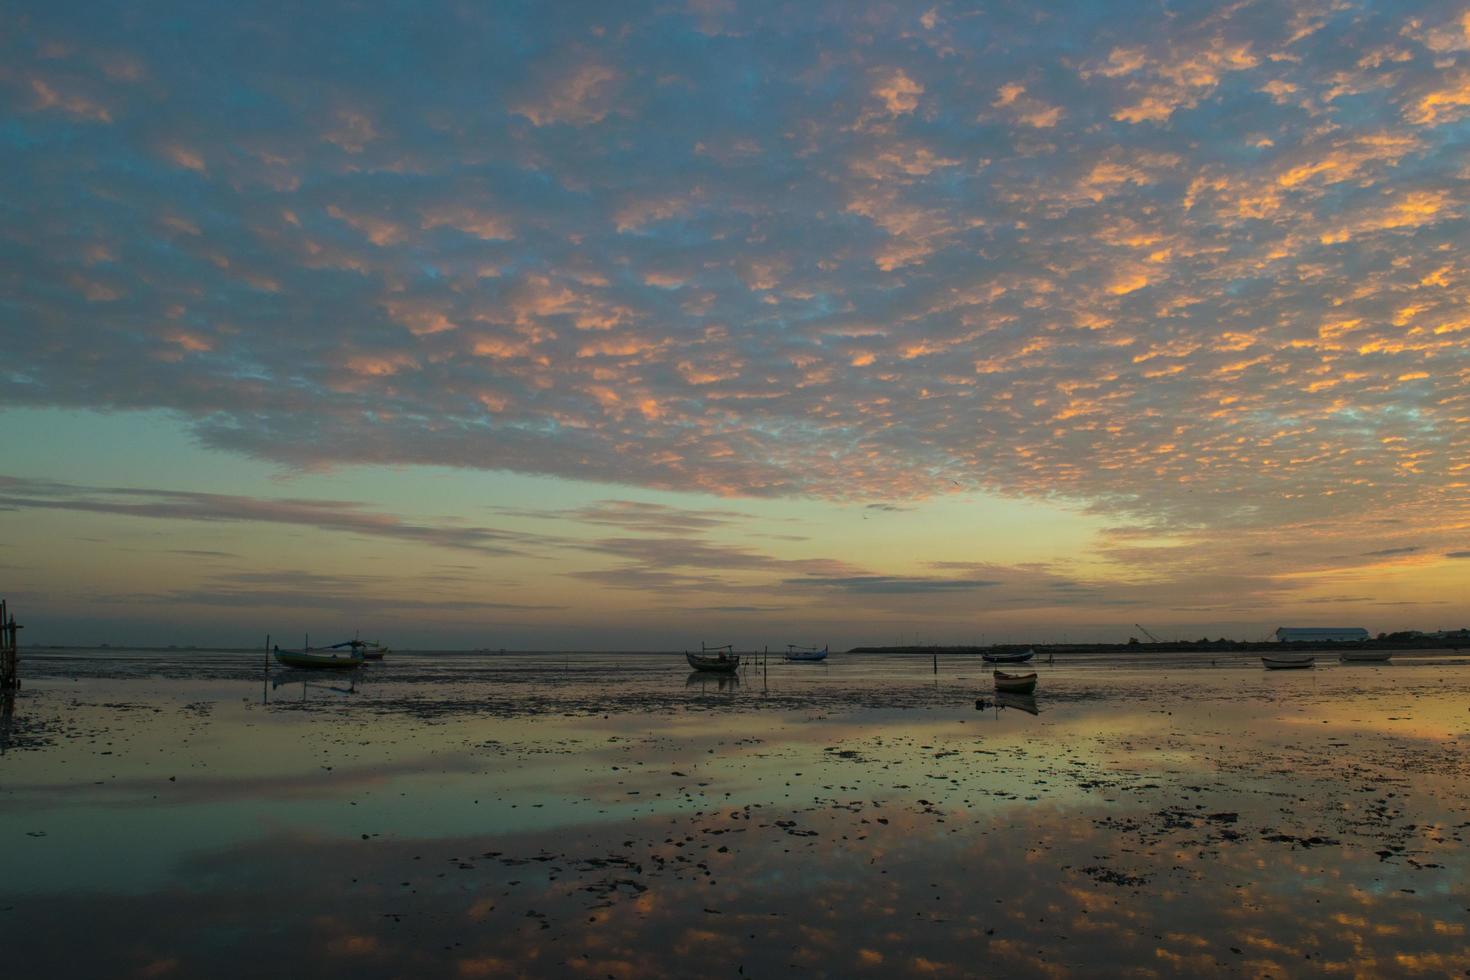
9, 649
936, 661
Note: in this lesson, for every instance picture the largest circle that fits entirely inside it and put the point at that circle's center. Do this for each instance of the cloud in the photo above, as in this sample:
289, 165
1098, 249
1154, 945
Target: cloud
1209, 277
642, 516
295, 589
897, 91
577, 95
889, 584
341, 516
47, 97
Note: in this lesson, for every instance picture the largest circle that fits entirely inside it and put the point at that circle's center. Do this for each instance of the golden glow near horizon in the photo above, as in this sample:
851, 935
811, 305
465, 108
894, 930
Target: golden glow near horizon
647, 324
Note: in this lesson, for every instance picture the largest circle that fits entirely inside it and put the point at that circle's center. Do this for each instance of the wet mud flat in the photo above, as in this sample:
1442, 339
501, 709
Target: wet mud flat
861, 820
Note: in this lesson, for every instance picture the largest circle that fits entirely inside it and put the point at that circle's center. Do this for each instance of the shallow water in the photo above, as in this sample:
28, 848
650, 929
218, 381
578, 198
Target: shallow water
183, 813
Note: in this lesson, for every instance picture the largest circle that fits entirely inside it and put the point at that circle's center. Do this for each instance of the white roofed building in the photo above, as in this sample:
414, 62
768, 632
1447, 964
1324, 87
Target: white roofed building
1321, 634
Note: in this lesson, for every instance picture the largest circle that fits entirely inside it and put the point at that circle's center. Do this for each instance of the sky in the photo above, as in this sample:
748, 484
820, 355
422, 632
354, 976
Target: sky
640, 325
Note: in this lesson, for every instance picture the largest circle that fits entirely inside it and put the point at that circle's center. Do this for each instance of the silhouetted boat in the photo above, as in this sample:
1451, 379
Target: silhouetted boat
317, 659
1365, 656
724, 661
361, 648
1293, 662
371, 651
1014, 683
1007, 658
805, 654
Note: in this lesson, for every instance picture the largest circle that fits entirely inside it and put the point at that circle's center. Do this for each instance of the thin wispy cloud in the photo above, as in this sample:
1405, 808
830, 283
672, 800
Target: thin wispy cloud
640, 516
294, 589
889, 584
326, 515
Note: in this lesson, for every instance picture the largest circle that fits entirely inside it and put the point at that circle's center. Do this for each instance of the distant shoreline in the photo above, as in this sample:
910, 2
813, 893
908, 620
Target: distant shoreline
1182, 646
1042, 649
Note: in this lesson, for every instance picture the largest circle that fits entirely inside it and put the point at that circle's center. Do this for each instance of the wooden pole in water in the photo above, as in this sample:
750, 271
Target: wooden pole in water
936, 661
9, 648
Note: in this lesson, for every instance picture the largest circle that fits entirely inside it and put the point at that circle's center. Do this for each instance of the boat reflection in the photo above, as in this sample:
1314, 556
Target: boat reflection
310, 680
1002, 699
704, 681
7, 719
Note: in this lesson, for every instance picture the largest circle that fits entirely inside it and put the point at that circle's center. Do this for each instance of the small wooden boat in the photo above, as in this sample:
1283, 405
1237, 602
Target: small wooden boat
371, 651
361, 648
1365, 656
1007, 658
724, 661
1293, 662
1014, 683
805, 654
316, 659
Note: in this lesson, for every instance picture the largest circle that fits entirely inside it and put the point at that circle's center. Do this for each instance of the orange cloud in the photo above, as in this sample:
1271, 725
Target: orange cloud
898, 92
579, 97
46, 96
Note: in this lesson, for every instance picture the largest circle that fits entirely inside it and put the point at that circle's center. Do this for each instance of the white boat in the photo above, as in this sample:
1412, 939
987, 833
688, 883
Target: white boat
1365, 656
805, 654
1295, 661
1014, 683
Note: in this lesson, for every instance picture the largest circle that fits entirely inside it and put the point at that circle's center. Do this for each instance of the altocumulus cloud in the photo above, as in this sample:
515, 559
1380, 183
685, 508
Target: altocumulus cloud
1198, 267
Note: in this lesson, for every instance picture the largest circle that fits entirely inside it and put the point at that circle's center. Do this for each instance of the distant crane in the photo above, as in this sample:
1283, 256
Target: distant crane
1151, 637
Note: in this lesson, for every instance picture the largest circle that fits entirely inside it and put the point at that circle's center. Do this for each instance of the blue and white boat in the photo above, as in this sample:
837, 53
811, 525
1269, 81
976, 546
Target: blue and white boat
800, 654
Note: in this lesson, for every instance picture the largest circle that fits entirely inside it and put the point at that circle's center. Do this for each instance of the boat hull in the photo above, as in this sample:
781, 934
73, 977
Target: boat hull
1288, 663
1014, 683
714, 665
315, 661
1007, 658
806, 656
1365, 656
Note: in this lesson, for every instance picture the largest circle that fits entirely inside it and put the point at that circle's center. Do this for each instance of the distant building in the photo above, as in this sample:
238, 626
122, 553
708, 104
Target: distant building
1321, 634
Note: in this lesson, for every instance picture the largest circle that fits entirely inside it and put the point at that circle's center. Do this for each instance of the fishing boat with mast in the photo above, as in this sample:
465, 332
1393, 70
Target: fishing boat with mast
370, 650
714, 660
322, 658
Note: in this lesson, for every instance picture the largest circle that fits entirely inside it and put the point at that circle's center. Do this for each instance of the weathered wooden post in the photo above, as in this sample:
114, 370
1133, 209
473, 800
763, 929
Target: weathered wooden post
9, 649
